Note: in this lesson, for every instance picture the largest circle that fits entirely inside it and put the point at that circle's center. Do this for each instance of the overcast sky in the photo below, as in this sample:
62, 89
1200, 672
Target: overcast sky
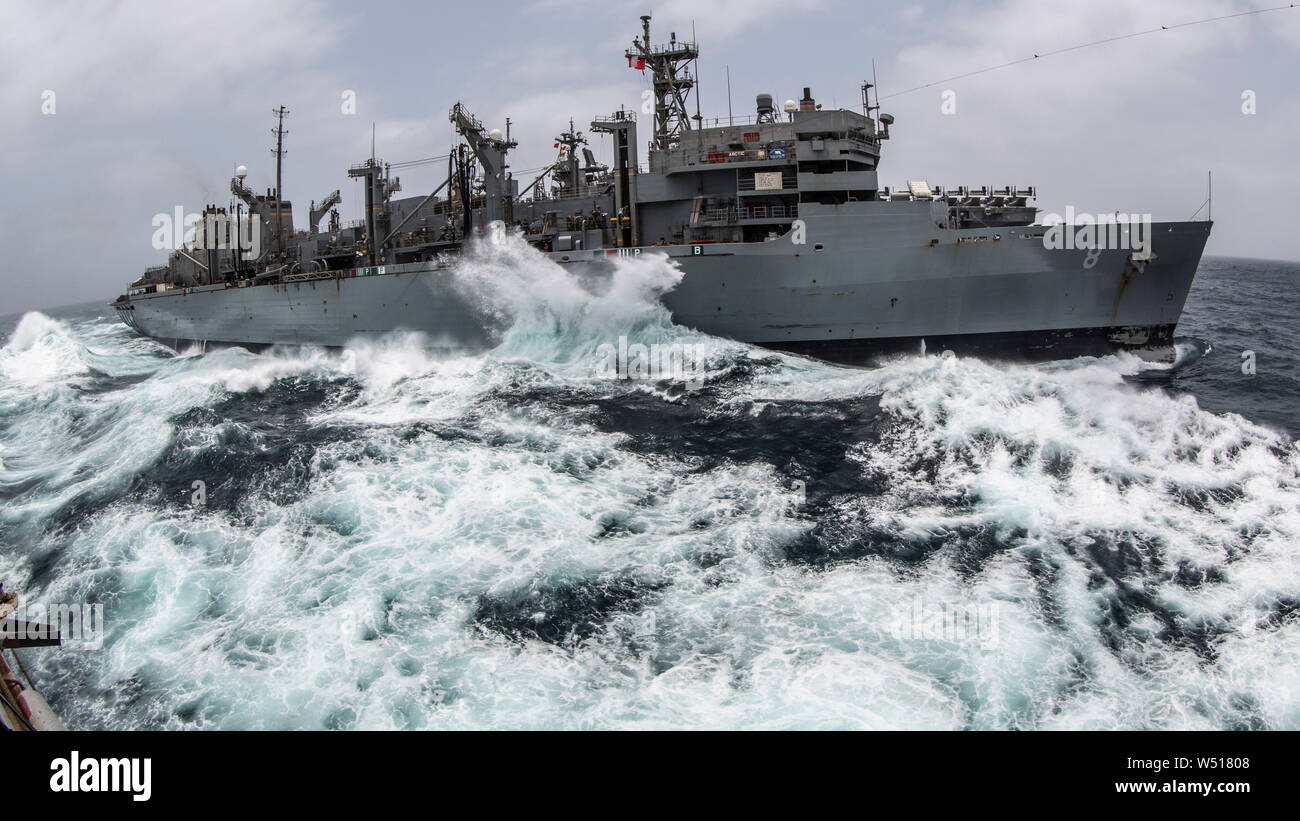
155, 103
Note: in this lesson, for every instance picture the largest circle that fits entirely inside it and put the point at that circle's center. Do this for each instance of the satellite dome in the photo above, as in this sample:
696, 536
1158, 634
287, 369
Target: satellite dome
241, 171
495, 133
790, 105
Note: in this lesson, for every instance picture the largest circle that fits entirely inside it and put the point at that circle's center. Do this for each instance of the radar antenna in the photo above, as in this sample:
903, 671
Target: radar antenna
672, 82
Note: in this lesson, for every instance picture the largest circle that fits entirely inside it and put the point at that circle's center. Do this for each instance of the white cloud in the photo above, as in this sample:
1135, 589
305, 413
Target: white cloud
1285, 25
156, 103
1021, 29
132, 58
1132, 124
911, 13
722, 18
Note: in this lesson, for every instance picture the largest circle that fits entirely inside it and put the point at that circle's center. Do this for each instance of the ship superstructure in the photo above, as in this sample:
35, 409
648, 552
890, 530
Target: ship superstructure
784, 234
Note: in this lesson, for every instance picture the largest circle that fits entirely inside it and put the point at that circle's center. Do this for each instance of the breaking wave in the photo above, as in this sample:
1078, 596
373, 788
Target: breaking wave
389, 538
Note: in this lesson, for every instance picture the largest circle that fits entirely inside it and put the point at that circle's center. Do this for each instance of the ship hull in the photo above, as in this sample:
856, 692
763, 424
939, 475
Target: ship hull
1031, 346
867, 279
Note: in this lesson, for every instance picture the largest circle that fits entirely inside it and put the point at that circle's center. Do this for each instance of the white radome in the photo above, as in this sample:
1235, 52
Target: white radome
241, 171
495, 133
790, 105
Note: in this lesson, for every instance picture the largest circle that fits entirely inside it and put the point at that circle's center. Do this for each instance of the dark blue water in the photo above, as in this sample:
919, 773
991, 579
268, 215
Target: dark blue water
391, 539
1241, 305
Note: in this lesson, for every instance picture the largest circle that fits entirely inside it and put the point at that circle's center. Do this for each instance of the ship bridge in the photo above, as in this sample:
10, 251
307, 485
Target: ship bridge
746, 180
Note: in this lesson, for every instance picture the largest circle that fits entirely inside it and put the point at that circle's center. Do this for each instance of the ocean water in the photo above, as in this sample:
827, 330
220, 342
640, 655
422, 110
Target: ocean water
393, 539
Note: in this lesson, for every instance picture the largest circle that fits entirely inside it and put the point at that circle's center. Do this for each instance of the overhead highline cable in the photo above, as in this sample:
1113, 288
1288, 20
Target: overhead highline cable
1089, 45
425, 161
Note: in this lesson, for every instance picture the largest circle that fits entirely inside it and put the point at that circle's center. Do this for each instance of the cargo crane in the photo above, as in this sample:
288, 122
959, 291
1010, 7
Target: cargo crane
316, 213
490, 149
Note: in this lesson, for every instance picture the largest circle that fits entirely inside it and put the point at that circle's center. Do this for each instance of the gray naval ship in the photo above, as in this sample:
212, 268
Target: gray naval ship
777, 220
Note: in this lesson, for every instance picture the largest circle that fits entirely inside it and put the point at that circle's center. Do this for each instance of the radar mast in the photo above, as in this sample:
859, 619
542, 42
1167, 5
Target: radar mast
672, 82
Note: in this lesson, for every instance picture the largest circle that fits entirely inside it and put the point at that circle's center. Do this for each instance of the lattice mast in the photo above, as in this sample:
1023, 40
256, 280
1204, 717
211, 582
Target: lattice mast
672, 80
278, 132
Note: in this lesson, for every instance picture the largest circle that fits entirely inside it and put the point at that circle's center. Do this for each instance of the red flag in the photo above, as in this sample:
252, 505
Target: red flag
636, 62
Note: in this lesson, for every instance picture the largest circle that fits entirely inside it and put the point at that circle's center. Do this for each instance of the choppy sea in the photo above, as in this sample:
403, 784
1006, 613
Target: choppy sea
388, 538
